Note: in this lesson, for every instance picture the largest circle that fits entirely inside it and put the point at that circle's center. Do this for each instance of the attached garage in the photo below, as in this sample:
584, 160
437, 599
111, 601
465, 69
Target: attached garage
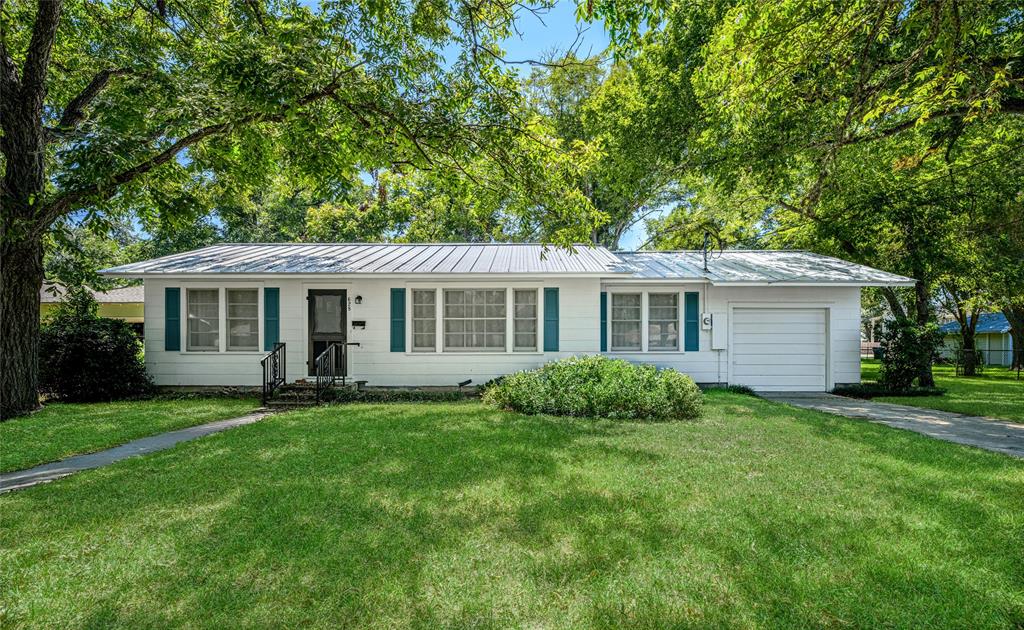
780, 349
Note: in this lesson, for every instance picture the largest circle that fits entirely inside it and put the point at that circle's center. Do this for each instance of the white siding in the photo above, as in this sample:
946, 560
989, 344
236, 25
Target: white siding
579, 300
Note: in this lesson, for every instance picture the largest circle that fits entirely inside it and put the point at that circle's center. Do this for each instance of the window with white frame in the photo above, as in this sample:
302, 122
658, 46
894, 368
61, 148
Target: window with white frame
663, 321
626, 321
203, 331
243, 319
424, 320
524, 320
474, 320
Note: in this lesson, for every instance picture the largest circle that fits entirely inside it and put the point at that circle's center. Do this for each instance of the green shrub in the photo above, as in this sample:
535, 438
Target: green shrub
907, 348
85, 358
598, 387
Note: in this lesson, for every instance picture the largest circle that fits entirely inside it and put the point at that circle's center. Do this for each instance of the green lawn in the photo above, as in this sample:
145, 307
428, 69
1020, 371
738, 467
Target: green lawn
59, 430
996, 393
398, 516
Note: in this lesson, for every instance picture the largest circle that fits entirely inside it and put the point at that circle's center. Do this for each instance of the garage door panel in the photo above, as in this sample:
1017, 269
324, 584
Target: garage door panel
812, 349
743, 371
778, 339
779, 349
779, 316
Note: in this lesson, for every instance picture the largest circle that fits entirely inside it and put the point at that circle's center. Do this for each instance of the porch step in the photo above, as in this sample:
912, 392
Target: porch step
301, 394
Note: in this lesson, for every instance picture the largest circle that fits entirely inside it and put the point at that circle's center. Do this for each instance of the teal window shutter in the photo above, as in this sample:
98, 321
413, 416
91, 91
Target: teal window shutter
271, 317
551, 319
604, 321
172, 318
398, 320
692, 328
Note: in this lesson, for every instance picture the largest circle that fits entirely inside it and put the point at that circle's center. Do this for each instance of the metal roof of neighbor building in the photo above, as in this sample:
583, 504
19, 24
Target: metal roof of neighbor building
987, 323
757, 267
54, 293
727, 267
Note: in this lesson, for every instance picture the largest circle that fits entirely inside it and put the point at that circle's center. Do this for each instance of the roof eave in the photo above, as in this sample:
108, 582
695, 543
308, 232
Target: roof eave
786, 283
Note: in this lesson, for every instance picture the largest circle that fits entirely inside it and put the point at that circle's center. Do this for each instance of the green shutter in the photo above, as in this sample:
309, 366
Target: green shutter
271, 318
604, 321
692, 328
551, 319
172, 318
398, 320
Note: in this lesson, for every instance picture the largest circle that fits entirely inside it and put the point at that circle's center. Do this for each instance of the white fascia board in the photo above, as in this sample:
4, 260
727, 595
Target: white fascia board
900, 283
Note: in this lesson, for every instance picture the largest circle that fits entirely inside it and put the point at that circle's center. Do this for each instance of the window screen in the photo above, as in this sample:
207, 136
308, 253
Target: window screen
524, 320
663, 321
424, 320
626, 321
203, 320
243, 321
474, 320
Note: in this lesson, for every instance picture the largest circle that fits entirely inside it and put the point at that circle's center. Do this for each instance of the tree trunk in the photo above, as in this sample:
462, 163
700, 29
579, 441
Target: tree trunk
1015, 315
21, 277
923, 310
967, 340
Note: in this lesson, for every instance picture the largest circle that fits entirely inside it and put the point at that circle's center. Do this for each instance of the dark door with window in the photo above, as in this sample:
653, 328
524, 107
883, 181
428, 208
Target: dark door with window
328, 322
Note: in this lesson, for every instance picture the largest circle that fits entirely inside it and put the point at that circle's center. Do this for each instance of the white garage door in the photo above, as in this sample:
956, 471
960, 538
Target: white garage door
780, 349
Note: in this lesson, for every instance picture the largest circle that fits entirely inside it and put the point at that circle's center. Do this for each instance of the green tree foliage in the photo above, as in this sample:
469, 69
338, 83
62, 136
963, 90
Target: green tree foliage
173, 108
885, 132
90, 358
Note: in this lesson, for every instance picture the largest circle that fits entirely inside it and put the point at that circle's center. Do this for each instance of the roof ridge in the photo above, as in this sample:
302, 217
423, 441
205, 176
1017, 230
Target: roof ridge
392, 244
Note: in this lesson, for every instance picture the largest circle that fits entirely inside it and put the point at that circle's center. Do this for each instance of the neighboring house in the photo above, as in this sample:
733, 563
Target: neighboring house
125, 303
991, 339
441, 314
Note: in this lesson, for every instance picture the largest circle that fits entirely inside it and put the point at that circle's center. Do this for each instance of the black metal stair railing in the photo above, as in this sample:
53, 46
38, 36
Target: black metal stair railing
331, 364
274, 370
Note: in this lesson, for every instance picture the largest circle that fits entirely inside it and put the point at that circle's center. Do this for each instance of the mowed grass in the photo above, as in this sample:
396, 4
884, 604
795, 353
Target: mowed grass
59, 430
996, 393
402, 516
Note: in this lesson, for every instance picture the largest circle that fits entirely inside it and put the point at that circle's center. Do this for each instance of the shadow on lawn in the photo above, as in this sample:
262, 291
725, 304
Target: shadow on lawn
282, 513
401, 515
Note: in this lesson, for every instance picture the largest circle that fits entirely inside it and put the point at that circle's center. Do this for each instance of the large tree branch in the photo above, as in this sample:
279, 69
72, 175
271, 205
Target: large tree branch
101, 191
74, 113
37, 59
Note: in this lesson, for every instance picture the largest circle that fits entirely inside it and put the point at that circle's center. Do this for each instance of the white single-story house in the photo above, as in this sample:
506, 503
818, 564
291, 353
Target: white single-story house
442, 314
991, 339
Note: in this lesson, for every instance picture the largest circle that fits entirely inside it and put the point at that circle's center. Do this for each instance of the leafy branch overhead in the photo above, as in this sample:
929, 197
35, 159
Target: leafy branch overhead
135, 99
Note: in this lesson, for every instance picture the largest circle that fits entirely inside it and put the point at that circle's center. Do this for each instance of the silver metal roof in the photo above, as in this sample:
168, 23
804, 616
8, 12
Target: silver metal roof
389, 258
756, 267
728, 267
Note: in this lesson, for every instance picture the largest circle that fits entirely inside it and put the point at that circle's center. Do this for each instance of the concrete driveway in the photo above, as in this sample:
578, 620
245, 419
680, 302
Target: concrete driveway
987, 433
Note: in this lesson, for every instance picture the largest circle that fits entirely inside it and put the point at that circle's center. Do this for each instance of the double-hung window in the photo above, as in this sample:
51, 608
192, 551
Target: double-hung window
424, 320
626, 321
524, 320
663, 321
203, 320
474, 320
243, 319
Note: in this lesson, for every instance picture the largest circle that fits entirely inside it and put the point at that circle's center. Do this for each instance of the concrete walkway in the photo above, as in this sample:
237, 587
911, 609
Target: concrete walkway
55, 470
987, 433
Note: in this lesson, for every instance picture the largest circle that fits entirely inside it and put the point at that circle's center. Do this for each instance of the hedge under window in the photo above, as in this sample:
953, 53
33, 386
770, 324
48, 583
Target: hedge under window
626, 321
524, 320
424, 320
243, 322
203, 320
663, 321
474, 320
